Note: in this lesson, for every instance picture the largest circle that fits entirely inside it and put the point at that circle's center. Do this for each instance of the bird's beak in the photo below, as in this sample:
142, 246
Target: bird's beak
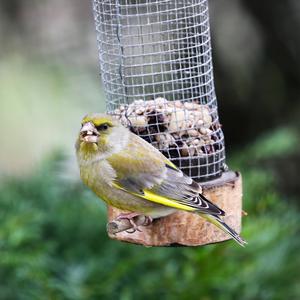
89, 133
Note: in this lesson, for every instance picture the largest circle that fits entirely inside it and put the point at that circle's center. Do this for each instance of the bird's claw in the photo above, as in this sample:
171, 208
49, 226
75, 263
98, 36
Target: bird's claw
130, 217
148, 221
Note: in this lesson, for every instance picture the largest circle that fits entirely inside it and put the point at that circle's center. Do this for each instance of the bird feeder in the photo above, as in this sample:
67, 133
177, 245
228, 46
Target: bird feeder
156, 67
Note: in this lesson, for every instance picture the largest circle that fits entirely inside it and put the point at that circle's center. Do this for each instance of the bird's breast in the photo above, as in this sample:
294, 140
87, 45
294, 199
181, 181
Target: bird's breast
99, 173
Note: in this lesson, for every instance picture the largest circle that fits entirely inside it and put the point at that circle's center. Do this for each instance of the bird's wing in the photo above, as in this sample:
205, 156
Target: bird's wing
144, 172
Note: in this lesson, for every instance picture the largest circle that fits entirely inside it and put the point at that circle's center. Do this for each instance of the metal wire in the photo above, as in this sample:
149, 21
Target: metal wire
155, 56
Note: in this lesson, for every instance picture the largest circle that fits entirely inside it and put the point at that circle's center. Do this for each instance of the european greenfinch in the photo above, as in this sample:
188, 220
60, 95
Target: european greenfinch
130, 174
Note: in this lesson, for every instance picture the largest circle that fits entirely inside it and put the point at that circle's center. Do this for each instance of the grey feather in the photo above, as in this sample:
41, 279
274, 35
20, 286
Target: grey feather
172, 184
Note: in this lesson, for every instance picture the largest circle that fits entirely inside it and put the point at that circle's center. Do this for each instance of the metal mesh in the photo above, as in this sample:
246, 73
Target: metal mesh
156, 66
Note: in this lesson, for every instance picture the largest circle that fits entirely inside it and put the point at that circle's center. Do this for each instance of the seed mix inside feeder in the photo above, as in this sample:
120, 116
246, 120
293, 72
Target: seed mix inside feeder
184, 132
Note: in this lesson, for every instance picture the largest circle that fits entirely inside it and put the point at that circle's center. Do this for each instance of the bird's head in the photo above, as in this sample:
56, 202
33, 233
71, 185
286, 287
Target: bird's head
99, 136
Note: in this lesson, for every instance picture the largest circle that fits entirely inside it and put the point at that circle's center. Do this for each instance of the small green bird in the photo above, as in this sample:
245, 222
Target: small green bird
128, 173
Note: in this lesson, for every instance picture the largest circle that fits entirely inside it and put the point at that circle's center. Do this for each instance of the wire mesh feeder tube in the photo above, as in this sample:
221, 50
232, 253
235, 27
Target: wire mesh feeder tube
156, 66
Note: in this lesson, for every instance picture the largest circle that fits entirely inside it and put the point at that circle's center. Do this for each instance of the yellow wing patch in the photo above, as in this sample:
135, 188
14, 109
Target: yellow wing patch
150, 196
169, 163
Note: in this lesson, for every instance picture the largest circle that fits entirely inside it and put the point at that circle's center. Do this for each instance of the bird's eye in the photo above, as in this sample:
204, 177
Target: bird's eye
102, 127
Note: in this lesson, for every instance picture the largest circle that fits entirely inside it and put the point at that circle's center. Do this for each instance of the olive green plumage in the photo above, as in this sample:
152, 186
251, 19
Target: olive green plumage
130, 174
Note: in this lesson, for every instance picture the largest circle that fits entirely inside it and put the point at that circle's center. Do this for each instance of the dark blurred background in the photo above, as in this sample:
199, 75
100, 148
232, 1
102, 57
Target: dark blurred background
53, 243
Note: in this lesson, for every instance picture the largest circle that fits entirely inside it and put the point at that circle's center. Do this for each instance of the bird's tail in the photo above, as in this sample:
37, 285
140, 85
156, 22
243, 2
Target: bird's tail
216, 220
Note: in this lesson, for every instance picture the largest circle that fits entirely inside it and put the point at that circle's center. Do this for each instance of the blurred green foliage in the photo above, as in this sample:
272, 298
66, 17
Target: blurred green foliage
53, 243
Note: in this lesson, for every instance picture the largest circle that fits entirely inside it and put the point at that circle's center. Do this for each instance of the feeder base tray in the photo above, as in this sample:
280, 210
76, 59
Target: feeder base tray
188, 229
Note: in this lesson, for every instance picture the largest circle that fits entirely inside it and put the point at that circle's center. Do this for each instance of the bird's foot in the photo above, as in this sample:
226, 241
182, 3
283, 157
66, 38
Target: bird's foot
130, 217
148, 221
